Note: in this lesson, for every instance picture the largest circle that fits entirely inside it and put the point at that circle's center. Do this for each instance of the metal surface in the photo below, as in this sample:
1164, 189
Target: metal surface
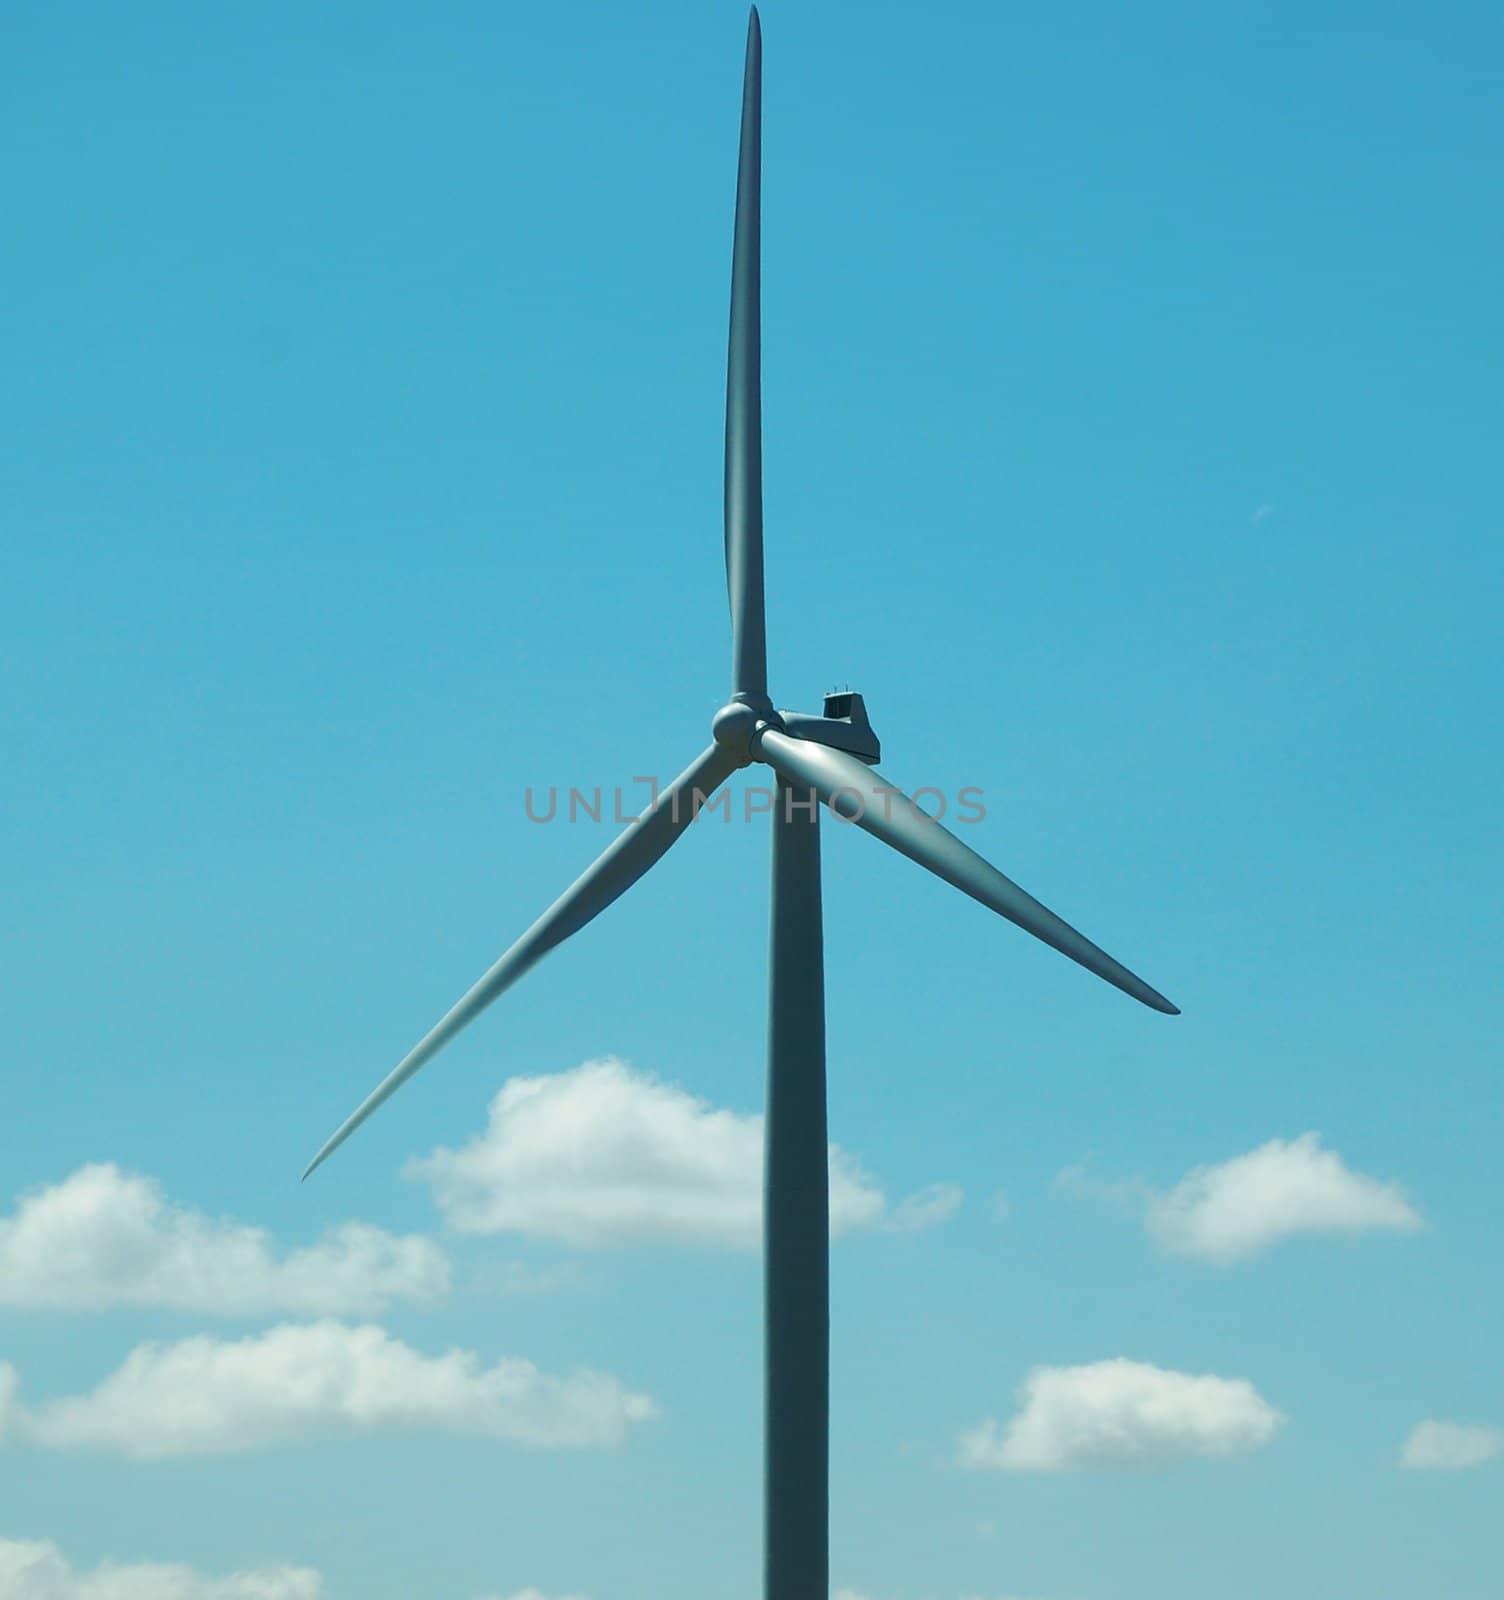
861, 794
796, 1243
749, 664
613, 872
844, 725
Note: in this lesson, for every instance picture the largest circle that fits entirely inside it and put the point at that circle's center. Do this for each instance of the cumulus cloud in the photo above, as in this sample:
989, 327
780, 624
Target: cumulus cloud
1237, 1209
205, 1396
1121, 1413
33, 1569
103, 1237
1451, 1446
604, 1155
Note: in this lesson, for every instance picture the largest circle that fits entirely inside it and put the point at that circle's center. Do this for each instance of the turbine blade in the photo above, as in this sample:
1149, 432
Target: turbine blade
619, 866
749, 664
863, 795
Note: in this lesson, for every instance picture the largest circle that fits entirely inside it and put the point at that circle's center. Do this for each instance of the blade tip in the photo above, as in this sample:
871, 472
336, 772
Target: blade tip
318, 1161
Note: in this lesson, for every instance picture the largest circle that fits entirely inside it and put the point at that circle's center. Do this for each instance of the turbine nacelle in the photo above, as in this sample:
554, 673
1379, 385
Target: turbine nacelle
842, 725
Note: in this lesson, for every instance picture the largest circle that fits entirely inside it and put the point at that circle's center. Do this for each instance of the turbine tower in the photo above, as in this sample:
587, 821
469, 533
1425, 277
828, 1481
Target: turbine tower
824, 758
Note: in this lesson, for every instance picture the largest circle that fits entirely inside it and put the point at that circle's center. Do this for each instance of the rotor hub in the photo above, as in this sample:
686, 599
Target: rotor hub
734, 727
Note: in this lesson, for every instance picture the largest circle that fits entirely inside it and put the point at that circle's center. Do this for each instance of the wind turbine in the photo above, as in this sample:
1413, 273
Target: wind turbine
825, 758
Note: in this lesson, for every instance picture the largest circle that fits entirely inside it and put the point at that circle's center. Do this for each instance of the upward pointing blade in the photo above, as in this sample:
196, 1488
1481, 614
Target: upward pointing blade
749, 663
623, 862
865, 797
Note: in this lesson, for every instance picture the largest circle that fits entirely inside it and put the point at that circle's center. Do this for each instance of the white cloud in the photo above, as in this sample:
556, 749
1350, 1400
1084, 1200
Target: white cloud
1237, 1209
9, 1406
521, 1280
1121, 1413
855, 1594
603, 1155
33, 1569
103, 1237
927, 1208
533, 1594
1451, 1446
1123, 1194
205, 1396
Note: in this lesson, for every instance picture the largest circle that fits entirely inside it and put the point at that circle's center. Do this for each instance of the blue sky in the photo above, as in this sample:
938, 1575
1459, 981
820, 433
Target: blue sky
1131, 415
